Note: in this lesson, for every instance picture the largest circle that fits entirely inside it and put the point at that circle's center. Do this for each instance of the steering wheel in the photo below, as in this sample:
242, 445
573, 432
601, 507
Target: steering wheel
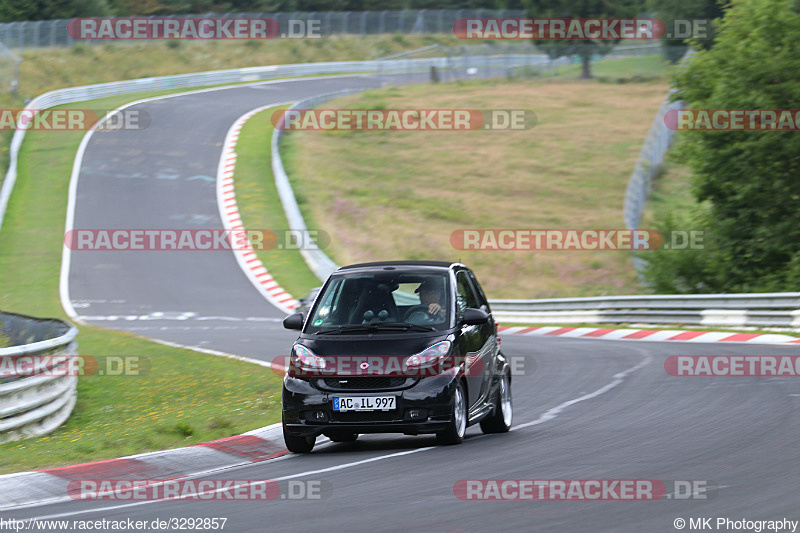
418, 309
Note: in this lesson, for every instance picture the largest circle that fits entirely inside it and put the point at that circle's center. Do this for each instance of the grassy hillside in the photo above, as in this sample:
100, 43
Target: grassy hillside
387, 195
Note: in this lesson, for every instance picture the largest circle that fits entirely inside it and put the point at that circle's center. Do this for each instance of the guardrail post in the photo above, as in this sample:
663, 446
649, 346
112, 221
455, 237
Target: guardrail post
723, 317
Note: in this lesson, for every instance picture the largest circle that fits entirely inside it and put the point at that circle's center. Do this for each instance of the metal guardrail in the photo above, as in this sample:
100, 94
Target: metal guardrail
761, 301
713, 310
651, 157
317, 260
38, 402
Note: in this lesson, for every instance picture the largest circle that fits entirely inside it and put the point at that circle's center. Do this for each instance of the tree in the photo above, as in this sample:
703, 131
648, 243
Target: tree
749, 180
581, 9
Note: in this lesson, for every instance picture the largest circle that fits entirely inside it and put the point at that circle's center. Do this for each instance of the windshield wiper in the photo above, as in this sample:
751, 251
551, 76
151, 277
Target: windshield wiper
329, 330
385, 326
352, 328
404, 326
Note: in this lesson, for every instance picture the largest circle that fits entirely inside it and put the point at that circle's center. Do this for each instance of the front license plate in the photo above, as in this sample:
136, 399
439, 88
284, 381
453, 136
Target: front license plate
364, 403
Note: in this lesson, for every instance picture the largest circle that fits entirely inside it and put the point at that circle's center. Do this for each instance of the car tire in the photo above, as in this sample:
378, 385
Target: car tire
298, 443
342, 437
454, 434
500, 419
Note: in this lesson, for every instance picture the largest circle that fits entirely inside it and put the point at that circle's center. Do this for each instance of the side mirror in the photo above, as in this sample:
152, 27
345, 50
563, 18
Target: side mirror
294, 321
475, 317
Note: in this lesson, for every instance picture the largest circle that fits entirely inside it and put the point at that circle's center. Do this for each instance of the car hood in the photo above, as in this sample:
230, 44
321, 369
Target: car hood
379, 344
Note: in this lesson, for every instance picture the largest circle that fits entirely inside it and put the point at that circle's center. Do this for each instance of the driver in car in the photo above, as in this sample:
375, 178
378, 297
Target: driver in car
431, 294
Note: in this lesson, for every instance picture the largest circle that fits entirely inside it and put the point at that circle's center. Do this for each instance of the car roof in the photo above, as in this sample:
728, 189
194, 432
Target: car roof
382, 264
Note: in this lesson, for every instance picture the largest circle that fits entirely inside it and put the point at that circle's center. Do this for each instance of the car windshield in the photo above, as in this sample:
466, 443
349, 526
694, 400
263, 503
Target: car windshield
382, 302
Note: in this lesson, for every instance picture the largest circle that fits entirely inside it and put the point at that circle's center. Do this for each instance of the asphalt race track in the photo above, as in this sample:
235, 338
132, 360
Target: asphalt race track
164, 177
740, 433
590, 409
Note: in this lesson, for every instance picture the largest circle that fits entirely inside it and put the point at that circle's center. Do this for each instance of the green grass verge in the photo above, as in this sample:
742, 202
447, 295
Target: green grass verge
186, 398
260, 206
622, 70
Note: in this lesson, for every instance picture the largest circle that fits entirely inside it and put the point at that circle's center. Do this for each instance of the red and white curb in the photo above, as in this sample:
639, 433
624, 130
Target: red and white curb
249, 262
43, 487
649, 335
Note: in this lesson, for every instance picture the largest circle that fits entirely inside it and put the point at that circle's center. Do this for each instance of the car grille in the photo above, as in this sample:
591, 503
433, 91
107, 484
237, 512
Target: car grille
364, 383
365, 416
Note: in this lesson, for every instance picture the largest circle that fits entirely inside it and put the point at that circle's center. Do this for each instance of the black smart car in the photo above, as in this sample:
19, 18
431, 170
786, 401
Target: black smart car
395, 347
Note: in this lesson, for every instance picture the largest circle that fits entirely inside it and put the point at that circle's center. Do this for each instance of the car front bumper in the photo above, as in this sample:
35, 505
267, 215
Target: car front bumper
308, 409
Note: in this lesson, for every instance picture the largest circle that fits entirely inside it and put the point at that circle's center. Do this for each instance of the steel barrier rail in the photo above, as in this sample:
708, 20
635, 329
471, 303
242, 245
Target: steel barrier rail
37, 402
717, 318
651, 157
768, 310
781, 310
773, 300
317, 260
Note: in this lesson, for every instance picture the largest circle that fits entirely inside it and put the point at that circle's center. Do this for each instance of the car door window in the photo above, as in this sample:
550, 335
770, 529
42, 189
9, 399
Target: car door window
483, 303
465, 297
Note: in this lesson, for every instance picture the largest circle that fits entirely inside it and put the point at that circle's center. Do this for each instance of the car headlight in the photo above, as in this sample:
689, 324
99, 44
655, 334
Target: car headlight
430, 355
302, 357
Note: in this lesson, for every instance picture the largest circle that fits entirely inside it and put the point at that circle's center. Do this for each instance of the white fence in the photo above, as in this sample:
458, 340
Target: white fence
42, 33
